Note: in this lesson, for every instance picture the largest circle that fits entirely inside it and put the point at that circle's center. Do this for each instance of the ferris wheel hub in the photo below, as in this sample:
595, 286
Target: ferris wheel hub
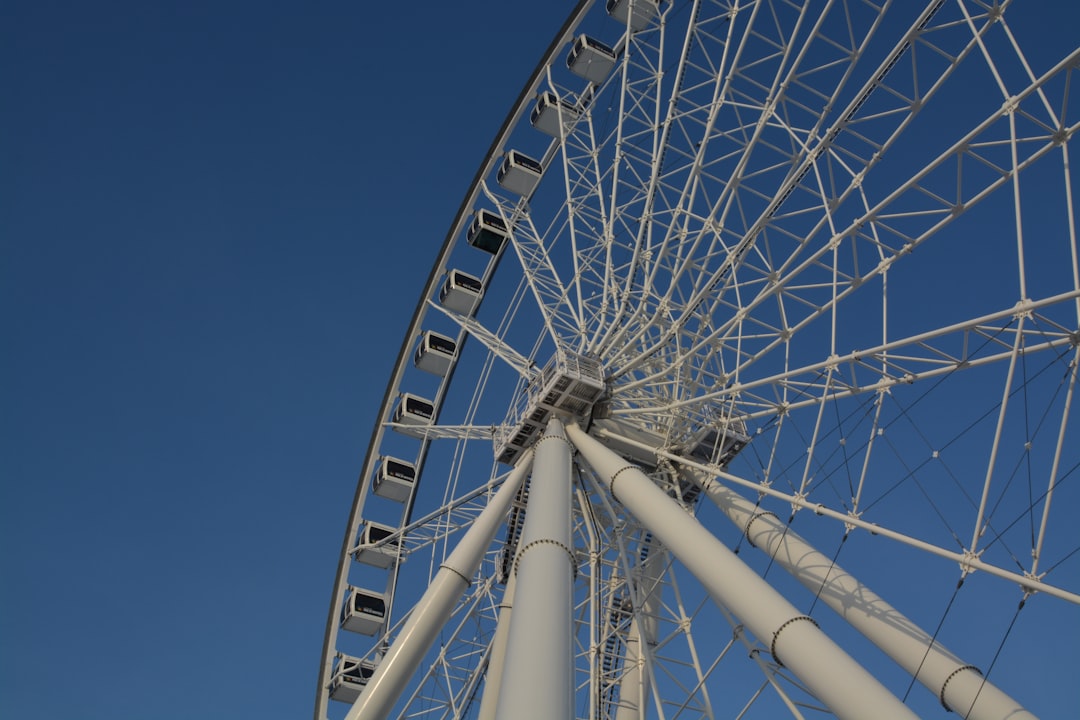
568, 386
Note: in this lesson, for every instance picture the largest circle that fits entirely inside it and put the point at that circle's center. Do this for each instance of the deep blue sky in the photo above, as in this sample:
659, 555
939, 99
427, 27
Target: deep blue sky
215, 219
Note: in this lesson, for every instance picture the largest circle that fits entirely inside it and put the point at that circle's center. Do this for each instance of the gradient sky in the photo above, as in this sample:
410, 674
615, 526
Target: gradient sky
213, 230
215, 220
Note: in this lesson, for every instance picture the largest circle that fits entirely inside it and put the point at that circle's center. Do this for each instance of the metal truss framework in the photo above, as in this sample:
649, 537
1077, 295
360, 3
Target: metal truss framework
844, 228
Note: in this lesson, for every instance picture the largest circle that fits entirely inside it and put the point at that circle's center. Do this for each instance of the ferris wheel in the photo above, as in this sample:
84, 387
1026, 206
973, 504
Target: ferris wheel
742, 386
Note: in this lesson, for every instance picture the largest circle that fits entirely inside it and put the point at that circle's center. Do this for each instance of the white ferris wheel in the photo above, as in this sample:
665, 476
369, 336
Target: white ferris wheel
743, 384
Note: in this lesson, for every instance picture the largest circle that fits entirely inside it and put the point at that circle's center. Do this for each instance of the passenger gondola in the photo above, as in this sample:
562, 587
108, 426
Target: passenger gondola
461, 292
395, 479
591, 59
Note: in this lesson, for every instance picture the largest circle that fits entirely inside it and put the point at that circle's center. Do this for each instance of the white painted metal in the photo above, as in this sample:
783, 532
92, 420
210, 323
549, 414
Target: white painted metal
395, 479
635, 688
634, 685
497, 659
837, 680
970, 562
537, 682
960, 686
725, 221
431, 612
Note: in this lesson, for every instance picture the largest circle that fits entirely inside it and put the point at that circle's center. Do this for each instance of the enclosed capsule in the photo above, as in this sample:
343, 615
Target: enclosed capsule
435, 353
549, 110
349, 678
395, 479
591, 59
364, 611
519, 173
461, 292
635, 13
373, 546
413, 415
487, 232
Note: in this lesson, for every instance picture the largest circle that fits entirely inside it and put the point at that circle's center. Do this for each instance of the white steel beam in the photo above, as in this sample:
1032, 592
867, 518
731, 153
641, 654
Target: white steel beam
634, 688
795, 639
497, 660
498, 347
537, 682
433, 609
966, 560
960, 687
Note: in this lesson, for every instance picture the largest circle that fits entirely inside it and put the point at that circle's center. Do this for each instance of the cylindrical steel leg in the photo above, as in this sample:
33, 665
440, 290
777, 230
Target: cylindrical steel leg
634, 687
795, 640
959, 686
497, 658
537, 680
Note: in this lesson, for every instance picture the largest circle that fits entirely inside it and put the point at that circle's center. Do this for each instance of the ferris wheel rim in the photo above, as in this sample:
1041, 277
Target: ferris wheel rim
414, 326
419, 313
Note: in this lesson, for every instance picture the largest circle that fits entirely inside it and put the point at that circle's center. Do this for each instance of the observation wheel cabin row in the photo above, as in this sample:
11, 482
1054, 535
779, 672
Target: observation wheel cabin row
378, 544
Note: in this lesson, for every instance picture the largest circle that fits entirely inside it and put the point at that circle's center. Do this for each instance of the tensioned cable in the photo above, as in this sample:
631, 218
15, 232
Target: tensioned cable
905, 412
772, 555
912, 476
822, 463
1030, 438
997, 654
867, 407
999, 535
933, 638
759, 461
1057, 484
872, 402
824, 581
1059, 562
1027, 454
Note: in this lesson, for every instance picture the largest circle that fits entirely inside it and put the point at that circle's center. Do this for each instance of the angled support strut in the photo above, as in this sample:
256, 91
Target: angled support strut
434, 608
827, 671
960, 687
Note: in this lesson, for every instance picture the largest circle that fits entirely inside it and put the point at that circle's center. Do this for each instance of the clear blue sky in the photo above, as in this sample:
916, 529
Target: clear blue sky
213, 231
212, 234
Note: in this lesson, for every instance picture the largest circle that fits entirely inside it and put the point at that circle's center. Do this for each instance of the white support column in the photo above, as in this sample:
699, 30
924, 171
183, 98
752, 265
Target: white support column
959, 686
641, 638
795, 640
633, 687
537, 681
433, 609
497, 659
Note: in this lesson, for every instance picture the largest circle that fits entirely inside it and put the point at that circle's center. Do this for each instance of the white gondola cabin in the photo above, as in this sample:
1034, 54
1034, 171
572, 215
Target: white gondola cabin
435, 353
413, 415
461, 292
519, 173
373, 546
635, 13
590, 59
549, 110
395, 479
487, 232
349, 679
364, 611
